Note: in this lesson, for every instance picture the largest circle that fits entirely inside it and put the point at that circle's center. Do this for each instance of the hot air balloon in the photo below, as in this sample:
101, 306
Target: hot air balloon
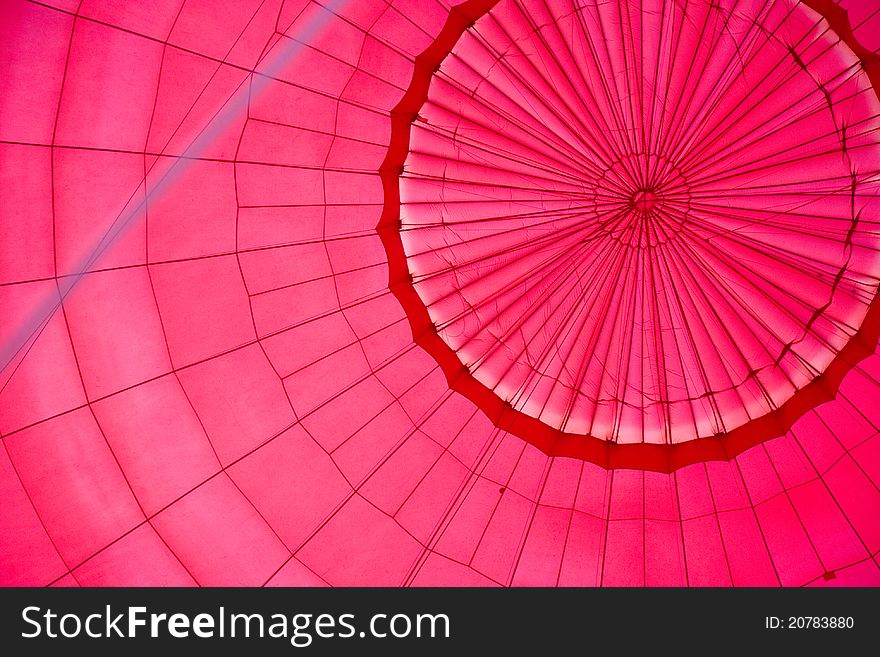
417, 293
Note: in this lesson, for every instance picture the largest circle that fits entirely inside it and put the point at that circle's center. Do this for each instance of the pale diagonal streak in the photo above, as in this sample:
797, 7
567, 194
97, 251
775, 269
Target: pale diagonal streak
234, 106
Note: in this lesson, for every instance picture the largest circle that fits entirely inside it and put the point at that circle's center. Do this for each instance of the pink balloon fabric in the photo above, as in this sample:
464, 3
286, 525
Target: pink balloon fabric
498, 292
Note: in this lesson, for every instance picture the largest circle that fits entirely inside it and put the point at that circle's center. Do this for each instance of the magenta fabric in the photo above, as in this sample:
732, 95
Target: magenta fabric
511, 292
